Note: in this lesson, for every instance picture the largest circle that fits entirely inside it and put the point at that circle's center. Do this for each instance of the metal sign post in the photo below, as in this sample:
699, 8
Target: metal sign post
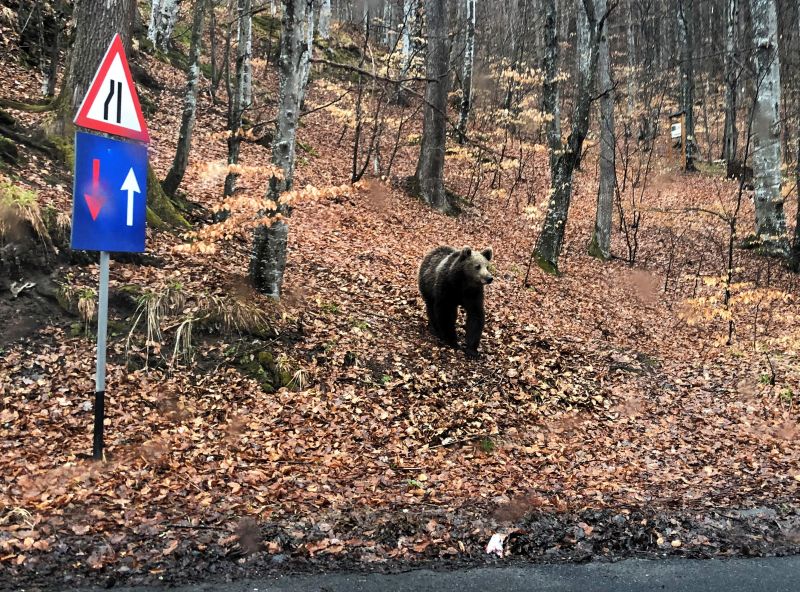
109, 192
100, 374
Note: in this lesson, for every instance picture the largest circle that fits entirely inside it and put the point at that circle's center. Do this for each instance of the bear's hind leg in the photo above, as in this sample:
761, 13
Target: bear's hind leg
430, 311
446, 322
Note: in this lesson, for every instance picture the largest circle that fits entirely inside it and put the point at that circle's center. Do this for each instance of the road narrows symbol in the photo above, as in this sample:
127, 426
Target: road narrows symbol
108, 99
111, 93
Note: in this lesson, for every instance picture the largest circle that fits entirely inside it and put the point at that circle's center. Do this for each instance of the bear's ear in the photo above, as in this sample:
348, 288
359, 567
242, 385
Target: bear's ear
465, 253
487, 253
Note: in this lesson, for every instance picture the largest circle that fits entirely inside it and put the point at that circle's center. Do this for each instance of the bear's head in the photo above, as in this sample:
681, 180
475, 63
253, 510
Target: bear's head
476, 265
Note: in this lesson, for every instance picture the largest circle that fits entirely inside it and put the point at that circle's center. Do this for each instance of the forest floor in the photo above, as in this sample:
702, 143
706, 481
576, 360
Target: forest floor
606, 417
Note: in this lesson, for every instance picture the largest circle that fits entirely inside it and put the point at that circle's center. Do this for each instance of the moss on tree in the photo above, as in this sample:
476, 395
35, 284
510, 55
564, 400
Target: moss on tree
545, 265
595, 250
161, 211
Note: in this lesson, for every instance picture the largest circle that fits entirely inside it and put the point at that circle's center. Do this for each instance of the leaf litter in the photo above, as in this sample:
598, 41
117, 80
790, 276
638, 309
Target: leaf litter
604, 418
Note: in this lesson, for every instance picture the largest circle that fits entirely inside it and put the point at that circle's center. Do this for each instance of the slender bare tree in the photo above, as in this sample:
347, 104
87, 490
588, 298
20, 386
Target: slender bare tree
730, 138
268, 261
600, 245
686, 42
469, 61
564, 156
241, 96
325, 19
429, 177
175, 175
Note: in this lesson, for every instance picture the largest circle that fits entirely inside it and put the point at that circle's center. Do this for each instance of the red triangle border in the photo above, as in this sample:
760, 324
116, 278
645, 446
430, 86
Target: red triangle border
82, 119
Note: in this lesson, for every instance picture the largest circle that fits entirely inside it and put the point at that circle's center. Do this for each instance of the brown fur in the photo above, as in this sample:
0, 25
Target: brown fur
449, 278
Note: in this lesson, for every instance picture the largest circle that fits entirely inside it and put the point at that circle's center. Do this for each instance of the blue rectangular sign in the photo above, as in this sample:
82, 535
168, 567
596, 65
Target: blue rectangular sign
109, 207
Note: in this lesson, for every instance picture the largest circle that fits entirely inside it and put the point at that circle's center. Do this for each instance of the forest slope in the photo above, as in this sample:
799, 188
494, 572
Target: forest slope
598, 421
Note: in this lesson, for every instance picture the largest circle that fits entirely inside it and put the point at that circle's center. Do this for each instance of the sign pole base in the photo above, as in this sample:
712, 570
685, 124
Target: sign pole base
99, 417
100, 375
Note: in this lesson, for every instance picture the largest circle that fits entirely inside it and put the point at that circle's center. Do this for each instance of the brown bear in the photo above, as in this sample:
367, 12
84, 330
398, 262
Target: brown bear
449, 278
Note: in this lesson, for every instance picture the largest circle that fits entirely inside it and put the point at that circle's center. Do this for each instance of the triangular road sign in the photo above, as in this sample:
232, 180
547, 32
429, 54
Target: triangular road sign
111, 105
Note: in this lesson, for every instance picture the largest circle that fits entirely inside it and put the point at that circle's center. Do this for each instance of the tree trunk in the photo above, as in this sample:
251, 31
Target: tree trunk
796, 240
310, 52
631, 74
770, 217
581, 56
730, 134
244, 53
268, 260
96, 23
55, 49
600, 245
429, 176
176, 172
325, 19
212, 34
163, 16
469, 60
563, 158
388, 14
408, 19
242, 88
155, 20
686, 42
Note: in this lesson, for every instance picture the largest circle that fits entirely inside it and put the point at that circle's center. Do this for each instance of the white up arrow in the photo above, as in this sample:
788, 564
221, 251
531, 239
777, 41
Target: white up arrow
131, 185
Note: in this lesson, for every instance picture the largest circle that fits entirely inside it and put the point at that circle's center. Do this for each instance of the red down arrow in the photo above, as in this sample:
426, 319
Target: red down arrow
96, 201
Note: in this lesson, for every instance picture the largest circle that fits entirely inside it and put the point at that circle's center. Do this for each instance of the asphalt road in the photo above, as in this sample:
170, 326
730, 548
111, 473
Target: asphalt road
775, 574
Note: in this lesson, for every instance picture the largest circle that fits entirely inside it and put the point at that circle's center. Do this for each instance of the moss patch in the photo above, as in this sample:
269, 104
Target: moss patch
545, 265
262, 366
595, 250
161, 211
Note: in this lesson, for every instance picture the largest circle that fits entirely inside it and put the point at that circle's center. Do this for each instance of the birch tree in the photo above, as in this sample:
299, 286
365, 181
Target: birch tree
163, 16
469, 60
429, 176
408, 17
268, 260
564, 156
730, 137
770, 217
176, 172
600, 245
325, 19
307, 63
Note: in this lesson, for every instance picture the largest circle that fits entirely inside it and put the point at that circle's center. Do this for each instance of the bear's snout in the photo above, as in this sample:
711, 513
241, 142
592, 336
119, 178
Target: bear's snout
488, 280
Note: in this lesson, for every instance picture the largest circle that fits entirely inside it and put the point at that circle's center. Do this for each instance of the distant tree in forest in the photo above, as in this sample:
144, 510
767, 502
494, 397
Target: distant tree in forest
181, 160
770, 217
429, 177
600, 245
564, 156
268, 259
686, 43
469, 62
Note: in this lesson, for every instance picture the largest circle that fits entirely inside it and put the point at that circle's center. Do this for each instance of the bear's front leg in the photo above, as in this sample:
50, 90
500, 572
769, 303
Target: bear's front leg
446, 313
475, 322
